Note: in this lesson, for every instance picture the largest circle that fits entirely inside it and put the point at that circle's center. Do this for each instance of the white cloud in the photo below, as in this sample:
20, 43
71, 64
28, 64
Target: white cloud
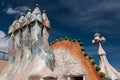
3, 41
11, 11
3, 44
17, 10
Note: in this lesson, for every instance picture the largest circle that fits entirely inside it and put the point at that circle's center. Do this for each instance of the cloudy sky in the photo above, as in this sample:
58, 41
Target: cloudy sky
78, 19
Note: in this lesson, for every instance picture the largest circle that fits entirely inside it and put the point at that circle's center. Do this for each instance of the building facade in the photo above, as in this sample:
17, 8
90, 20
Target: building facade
32, 58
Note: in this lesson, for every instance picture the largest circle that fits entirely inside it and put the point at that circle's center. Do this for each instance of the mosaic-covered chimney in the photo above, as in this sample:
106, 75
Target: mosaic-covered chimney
28, 47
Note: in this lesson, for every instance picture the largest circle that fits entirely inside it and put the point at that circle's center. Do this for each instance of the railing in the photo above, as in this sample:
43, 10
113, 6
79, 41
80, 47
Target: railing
4, 55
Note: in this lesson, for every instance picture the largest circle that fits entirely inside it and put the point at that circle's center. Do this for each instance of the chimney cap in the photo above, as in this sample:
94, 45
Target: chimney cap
29, 10
44, 11
22, 14
37, 5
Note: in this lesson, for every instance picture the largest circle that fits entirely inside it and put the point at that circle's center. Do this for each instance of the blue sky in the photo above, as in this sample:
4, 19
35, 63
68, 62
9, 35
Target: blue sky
78, 19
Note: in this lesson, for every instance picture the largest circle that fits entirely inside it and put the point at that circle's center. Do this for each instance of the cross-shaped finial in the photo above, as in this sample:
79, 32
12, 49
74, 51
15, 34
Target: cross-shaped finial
98, 39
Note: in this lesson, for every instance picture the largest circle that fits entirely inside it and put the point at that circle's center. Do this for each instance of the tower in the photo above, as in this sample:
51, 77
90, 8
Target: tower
104, 64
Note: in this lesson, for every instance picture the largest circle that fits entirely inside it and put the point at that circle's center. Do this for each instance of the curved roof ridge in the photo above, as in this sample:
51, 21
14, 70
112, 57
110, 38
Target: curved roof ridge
84, 53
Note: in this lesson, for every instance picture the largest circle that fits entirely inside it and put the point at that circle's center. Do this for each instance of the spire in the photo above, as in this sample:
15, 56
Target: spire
46, 22
37, 10
36, 14
44, 15
11, 28
28, 15
22, 20
99, 40
16, 25
104, 64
